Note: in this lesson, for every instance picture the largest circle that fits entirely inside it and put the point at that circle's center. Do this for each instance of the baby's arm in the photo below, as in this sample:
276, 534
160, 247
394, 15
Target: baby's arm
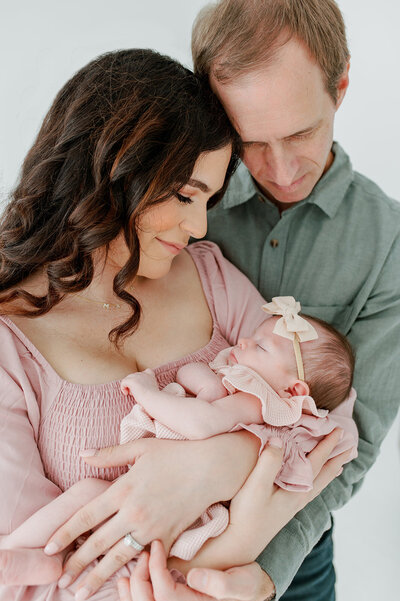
38, 528
199, 380
194, 418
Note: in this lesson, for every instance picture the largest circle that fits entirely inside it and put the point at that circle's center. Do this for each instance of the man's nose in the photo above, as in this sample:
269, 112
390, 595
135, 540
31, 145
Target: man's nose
282, 165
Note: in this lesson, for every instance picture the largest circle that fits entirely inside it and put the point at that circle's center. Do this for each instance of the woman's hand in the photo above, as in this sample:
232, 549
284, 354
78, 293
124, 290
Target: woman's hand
28, 566
152, 581
261, 509
168, 487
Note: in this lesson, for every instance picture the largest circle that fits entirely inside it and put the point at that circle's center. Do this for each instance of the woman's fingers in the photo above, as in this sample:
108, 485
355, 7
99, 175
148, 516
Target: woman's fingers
120, 455
268, 465
329, 472
28, 566
259, 486
85, 519
140, 585
107, 541
162, 581
116, 557
319, 455
124, 589
164, 586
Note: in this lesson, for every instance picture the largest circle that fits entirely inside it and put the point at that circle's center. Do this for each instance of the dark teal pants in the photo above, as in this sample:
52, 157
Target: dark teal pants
315, 580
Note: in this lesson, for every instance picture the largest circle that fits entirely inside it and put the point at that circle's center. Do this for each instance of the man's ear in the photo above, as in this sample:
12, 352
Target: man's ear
342, 86
298, 388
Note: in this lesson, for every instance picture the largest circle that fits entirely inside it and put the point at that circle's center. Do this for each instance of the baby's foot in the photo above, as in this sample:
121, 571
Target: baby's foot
141, 381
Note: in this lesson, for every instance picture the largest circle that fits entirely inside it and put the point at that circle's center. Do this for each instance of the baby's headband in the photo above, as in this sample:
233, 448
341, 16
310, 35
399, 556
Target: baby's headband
291, 325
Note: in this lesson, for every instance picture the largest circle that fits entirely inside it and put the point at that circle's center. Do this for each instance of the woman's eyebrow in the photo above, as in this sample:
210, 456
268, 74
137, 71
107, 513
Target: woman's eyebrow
195, 183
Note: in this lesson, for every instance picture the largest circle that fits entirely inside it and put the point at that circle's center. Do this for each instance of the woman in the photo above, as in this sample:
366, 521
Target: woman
95, 284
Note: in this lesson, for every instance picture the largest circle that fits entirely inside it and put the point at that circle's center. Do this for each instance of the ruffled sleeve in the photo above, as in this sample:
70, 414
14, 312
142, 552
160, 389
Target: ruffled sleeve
276, 410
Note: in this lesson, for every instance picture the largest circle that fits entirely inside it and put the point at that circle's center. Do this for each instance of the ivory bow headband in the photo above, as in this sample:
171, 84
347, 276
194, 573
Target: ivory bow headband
291, 325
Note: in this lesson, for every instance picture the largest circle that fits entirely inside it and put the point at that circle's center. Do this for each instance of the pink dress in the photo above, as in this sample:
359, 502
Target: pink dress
45, 420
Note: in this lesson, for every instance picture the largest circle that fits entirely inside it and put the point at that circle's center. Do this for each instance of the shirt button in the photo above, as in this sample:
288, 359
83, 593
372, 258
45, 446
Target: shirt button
274, 243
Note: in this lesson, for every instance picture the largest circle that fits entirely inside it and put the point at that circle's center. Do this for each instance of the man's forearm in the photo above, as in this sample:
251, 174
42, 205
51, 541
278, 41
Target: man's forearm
286, 552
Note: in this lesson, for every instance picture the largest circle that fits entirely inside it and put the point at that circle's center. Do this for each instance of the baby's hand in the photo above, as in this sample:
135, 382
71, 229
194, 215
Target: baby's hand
139, 382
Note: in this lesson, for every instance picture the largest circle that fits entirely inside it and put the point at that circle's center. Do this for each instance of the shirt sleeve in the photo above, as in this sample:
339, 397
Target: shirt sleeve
233, 299
375, 336
25, 488
21, 467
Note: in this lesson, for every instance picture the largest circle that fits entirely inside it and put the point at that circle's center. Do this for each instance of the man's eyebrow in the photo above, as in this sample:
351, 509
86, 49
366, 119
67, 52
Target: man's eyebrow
297, 133
306, 130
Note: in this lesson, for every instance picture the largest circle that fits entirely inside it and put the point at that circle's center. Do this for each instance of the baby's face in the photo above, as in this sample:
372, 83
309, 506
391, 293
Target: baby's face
268, 354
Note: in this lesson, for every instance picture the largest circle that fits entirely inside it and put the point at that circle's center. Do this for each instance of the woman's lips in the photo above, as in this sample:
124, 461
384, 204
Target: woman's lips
172, 247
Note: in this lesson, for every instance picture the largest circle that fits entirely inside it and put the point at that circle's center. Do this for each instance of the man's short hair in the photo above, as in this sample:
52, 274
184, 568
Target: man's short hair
234, 37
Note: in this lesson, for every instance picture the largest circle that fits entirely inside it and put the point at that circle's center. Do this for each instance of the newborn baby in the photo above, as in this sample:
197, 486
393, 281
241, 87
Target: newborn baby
282, 381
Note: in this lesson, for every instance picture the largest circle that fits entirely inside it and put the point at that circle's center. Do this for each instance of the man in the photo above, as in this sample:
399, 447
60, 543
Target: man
299, 221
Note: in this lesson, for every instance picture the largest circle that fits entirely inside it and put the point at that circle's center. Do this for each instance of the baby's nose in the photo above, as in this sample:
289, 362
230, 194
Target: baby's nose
243, 343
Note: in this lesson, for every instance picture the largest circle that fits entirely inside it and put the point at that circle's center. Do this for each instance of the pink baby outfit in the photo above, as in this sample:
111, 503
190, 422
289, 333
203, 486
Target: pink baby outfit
45, 420
296, 420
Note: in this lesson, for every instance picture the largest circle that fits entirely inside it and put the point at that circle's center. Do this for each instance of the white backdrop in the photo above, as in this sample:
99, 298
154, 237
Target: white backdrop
43, 43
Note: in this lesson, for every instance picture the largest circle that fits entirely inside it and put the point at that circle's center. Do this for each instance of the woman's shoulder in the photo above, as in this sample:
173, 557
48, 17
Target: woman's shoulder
206, 250
19, 359
218, 270
11, 339
209, 259
236, 302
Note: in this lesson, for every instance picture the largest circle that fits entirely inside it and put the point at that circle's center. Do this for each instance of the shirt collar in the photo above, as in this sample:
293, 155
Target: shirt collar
327, 194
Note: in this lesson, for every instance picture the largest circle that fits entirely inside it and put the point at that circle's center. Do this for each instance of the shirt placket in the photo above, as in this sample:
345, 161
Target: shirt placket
273, 258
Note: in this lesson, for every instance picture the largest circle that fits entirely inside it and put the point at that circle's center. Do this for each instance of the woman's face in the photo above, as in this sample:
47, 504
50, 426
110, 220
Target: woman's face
164, 230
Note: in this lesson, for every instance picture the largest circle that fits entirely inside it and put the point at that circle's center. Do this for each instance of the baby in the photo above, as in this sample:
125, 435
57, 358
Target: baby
291, 379
265, 378
279, 382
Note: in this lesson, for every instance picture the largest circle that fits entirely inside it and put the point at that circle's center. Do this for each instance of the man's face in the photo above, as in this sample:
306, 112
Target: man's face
284, 116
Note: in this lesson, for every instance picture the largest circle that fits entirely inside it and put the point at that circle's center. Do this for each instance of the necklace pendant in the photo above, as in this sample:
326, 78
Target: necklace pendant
106, 305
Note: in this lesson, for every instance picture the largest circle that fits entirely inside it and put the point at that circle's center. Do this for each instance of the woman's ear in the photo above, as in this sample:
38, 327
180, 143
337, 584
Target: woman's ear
298, 388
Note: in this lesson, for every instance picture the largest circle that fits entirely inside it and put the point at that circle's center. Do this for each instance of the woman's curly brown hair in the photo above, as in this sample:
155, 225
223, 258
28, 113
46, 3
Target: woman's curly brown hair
123, 134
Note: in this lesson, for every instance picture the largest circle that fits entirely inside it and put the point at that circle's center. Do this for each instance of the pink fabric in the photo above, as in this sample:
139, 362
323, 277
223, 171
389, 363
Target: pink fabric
45, 420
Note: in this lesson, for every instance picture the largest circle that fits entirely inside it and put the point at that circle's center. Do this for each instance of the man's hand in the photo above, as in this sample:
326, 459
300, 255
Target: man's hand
152, 581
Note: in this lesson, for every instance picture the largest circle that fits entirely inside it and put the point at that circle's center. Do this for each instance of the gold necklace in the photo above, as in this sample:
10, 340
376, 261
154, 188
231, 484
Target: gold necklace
105, 305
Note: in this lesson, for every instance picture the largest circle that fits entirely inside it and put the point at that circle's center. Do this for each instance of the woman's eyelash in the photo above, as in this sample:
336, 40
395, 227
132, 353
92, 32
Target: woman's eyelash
184, 199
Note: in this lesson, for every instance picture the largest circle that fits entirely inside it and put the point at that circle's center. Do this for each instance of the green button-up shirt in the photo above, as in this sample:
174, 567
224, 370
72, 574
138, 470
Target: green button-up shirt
338, 253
